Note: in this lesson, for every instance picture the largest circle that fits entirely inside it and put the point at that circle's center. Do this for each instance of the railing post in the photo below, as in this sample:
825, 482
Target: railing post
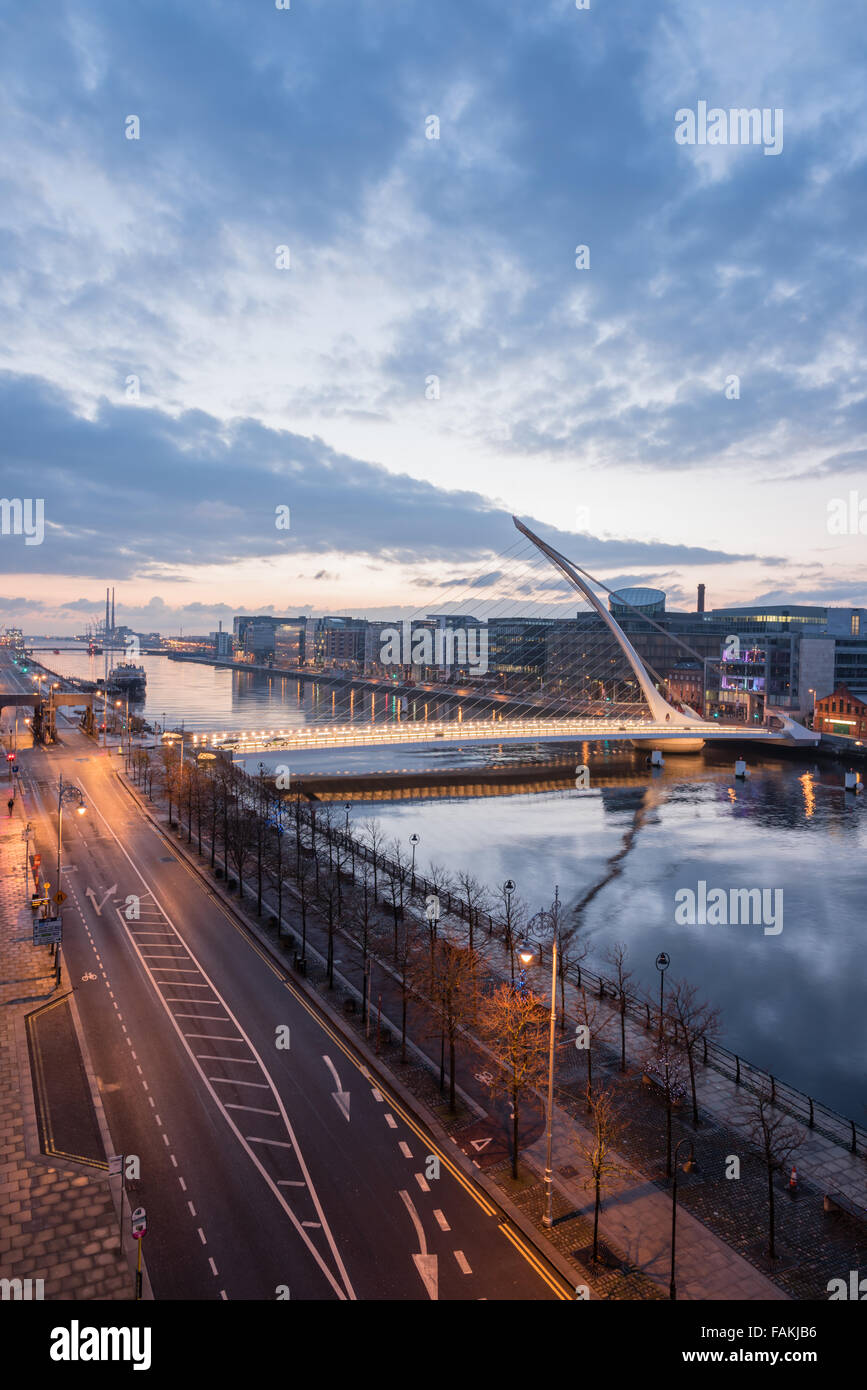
704, 1058
737, 1070
853, 1147
810, 1098
647, 1007
773, 1091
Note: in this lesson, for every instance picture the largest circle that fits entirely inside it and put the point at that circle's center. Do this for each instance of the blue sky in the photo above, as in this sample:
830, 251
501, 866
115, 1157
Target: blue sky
591, 402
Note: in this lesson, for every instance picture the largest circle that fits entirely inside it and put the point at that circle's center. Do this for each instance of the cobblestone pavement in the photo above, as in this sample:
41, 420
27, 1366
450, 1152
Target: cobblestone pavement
57, 1222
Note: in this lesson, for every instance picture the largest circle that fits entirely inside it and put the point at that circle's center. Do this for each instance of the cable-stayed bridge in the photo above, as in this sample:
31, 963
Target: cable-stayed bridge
598, 687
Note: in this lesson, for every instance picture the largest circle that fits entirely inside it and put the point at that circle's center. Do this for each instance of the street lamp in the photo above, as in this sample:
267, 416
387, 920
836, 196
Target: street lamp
64, 793
688, 1167
413, 839
663, 961
508, 889
548, 1218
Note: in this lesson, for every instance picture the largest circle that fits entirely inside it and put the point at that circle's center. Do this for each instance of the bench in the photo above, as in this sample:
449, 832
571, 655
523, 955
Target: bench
838, 1201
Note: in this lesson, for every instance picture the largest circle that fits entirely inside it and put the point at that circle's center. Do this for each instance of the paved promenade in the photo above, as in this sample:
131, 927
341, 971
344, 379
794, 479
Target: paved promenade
57, 1221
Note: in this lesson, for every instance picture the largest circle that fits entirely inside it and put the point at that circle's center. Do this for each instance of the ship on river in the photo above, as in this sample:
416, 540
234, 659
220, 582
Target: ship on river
129, 680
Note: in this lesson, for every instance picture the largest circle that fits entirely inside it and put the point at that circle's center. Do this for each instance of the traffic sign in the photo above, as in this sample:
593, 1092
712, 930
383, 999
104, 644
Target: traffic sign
37, 860
663, 960
14, 767
59, 898
47, 931
139, 1223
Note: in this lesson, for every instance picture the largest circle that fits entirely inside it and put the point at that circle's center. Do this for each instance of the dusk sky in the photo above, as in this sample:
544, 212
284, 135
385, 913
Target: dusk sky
166, 383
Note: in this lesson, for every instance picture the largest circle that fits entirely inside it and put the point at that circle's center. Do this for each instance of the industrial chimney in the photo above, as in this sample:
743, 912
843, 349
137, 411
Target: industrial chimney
112, 608
106, 610
700, 608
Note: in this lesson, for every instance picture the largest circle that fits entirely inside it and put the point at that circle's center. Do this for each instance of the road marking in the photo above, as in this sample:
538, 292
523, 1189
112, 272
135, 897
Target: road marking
202, 1236
192, 1208
174, 1160
425, 1264
252, 1110
213, 1057
340, 1097
316, 1225
462, 1262
377, 1095
290, 1182
213, 1037
441, 1221
183, 1184
150, 1101
205, 1018
419, 1177
405, 1149
275, 1143
213, 1266
230, 1081
391, 1121
224, 1295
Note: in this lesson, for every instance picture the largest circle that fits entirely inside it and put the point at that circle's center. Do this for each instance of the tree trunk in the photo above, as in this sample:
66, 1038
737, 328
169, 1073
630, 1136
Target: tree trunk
772, 1250
452, 1106
515, 1124
690, 1050
622, 1031
596, 1217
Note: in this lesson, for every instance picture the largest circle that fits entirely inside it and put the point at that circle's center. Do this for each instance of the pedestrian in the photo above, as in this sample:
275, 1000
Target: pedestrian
11, 803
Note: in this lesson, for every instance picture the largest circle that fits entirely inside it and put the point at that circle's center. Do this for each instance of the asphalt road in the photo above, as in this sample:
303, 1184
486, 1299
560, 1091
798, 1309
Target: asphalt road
255, 1182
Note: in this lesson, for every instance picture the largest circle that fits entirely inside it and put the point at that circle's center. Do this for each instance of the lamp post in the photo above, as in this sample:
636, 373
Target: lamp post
548, 1218
508, 889
64, 792
688, 1167
413, 839
663, 961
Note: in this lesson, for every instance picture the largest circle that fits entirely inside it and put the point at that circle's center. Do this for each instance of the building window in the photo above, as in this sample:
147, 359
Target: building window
856, 624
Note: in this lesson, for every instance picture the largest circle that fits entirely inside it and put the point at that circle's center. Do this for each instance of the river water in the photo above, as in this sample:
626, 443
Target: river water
792, 1000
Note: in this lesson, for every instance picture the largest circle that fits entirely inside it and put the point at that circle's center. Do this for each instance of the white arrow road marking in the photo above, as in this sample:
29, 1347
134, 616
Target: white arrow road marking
425, 1264
97, 906
341, 1096
479, 1144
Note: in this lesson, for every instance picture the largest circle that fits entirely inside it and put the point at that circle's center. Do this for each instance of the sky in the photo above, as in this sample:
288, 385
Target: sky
324, 258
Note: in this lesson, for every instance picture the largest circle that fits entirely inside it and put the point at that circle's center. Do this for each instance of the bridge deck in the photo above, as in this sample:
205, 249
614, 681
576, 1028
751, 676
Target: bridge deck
485, 732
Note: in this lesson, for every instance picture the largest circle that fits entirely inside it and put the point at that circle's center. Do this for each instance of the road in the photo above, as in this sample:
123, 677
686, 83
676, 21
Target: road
267, 1170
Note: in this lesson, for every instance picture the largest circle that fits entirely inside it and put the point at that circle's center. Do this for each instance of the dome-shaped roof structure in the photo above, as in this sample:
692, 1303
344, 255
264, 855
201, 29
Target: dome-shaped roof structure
650, 601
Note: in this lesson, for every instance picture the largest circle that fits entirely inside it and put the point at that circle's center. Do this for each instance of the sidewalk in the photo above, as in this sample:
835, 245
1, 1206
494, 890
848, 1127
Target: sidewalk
58, 1223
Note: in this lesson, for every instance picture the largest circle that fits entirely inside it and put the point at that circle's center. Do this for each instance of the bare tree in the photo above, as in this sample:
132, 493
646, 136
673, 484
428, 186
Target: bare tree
595, 1147
777, 1138
595, 1021
452, 991
694, 1021
397, 870
663, 1066
475, 896
515, 915
374, 838
515, 1025
616, 957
